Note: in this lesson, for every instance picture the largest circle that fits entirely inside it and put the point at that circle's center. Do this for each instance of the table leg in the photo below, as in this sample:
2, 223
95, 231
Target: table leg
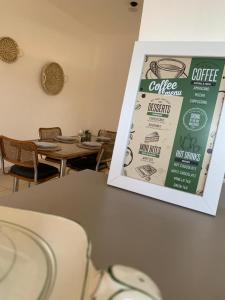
63, 167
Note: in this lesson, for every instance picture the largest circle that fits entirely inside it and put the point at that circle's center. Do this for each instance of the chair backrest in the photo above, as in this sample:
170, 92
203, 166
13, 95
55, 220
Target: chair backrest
105, 154
107, 133
22, 153
49, 133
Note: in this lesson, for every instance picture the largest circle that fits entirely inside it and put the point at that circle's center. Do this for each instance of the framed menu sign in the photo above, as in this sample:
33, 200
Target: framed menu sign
171, 138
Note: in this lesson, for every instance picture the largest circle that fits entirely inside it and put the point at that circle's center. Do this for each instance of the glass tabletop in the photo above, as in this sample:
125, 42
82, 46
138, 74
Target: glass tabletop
27, 264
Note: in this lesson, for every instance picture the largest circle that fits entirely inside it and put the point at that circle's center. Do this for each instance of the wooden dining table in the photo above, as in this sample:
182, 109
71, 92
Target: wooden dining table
66, 151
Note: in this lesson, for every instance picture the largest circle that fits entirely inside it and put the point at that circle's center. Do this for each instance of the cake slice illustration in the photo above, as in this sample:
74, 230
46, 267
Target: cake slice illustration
146, 171
152, 137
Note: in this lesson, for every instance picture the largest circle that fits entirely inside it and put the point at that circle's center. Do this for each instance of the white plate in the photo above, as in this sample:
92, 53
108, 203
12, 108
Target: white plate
92, 144
46, 145
65, 138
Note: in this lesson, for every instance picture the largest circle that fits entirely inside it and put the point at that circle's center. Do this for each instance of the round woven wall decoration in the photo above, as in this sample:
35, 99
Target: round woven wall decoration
52, 78
8, 50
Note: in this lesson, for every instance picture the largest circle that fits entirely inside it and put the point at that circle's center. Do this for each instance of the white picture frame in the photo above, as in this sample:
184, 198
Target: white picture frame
206, 203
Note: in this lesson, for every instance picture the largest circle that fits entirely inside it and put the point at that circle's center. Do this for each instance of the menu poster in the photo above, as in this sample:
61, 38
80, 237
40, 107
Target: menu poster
174, 124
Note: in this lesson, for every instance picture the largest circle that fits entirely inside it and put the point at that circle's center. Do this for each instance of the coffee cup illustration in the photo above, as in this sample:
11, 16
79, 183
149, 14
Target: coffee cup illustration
166, 68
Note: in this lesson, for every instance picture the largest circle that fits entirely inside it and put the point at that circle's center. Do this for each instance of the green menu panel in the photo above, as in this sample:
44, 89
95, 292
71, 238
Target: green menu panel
175, 121
200, 98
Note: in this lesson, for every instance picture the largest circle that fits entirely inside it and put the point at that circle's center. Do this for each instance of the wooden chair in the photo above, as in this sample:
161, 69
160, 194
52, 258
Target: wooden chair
98, 163
107, 133
49, 134
24, 156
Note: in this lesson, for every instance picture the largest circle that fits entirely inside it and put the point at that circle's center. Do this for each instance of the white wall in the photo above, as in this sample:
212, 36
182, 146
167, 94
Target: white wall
97, 66
111, 68
44, 34
114, 47
183, 20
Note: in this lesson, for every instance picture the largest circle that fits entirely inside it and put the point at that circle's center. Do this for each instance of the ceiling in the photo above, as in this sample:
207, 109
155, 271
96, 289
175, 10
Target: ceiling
103, 16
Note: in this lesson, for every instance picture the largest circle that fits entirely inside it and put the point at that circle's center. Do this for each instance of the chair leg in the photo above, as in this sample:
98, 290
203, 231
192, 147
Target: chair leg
29, 184
15, 184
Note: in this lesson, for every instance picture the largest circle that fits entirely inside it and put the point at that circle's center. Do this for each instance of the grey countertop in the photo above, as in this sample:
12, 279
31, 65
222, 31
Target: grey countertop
183, 251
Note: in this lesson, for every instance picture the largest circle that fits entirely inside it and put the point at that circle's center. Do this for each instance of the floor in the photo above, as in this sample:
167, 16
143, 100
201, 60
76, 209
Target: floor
6, 183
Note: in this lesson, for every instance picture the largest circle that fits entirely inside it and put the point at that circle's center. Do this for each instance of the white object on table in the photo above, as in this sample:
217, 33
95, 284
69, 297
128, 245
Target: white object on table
55, 252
